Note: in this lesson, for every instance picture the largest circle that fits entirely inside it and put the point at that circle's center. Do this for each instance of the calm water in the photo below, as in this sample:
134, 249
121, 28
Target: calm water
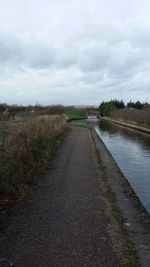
131, 150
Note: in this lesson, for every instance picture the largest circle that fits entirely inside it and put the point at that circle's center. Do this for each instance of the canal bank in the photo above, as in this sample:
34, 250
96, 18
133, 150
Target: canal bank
129, 125
131, 150
128, 209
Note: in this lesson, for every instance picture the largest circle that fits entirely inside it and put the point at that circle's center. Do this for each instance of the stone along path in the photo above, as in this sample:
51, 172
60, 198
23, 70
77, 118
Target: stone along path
67, 221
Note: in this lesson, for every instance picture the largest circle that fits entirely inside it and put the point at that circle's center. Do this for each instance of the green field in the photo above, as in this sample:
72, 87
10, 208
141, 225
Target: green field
75, 113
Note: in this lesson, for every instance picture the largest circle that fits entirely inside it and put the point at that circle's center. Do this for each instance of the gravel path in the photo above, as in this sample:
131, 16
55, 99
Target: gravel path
66, 222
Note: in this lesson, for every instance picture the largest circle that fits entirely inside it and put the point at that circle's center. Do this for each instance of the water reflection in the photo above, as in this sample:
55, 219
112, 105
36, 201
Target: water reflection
127, 133
131, 150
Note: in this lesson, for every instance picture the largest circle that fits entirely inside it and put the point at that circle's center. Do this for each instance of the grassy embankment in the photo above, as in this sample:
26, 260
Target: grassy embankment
25, 148
76, 117
75, 114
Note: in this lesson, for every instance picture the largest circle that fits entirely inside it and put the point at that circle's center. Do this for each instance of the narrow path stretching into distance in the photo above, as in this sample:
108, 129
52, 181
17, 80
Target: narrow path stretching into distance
66, 222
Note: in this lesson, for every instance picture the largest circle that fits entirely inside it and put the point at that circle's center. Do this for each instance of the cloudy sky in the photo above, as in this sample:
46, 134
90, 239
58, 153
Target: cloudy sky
73, 51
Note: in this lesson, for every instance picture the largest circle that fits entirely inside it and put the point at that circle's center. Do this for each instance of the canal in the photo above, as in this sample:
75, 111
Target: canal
131, 150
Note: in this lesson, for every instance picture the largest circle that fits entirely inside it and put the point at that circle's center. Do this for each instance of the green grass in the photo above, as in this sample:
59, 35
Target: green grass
80, 123
75, 113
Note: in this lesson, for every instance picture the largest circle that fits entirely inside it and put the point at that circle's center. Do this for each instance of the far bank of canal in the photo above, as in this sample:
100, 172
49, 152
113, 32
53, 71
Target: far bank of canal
131, 150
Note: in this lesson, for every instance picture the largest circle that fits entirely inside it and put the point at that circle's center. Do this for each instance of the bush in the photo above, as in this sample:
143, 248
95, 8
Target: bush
107, 107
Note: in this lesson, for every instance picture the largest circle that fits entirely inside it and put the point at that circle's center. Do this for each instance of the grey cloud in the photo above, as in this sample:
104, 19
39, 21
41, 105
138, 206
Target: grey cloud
39, 57
140, 37
89, 50
14, 51
118, 57
65, 57
9, 49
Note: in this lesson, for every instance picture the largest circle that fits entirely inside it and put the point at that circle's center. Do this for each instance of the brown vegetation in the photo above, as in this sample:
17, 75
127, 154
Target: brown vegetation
131, 115
25, 147
14, 112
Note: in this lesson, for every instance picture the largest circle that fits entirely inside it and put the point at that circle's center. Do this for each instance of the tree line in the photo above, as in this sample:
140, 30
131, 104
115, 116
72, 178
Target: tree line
107, 107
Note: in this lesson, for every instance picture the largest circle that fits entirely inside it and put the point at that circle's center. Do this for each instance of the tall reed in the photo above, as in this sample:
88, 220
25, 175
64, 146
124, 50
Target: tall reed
25, 147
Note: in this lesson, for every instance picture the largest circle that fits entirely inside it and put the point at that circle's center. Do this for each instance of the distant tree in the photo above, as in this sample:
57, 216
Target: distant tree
130, 104
3, 107
137, 105
118, 104
107, 107
146, 105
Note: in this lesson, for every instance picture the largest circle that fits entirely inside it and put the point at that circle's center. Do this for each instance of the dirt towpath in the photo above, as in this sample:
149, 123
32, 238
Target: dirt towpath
66, 222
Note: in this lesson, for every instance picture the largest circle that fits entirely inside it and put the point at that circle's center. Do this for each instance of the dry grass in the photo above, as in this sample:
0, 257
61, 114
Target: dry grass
25, 147
131, 115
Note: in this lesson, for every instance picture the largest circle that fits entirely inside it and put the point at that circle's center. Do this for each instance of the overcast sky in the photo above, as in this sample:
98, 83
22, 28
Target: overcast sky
73, 51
